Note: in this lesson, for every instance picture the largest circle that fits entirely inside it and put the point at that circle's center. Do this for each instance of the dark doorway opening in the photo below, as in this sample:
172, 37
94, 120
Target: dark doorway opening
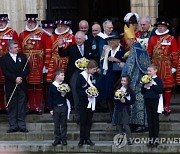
90, 10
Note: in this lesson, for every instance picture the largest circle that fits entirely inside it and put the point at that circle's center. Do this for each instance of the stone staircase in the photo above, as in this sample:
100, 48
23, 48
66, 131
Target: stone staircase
40, 136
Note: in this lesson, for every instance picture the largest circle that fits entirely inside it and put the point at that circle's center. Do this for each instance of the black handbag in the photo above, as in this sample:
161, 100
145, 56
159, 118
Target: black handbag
116, 67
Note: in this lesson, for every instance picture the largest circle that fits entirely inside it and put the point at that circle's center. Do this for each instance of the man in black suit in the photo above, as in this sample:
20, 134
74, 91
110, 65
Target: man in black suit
74, 52
15, 70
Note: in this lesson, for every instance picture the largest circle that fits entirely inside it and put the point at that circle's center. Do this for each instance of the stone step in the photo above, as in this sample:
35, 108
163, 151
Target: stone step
97, 117
96, 126
45, 147
74, 135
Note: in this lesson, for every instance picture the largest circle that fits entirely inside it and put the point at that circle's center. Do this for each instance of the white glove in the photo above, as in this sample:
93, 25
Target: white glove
45, 70
173, 70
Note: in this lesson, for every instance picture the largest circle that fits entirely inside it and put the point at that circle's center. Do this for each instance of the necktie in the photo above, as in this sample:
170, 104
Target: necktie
81, 50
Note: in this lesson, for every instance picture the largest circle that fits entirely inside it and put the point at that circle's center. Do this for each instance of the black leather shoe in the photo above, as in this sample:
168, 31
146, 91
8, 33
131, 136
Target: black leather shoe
89, 142
64, 142
24, 130
81, 143
12, 130
56, 142
140, 129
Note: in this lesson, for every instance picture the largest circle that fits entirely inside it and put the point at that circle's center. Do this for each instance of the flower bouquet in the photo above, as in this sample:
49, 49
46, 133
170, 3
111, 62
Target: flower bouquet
92, 91
81, 63
146, 79
119, 94
63, 88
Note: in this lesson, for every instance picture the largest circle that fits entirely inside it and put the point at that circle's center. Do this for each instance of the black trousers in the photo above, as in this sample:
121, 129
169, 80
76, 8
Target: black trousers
17, 109
60, 119
85, 121
152, 117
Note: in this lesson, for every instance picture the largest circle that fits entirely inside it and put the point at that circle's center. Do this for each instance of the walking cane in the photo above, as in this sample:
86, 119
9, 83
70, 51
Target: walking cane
16, 84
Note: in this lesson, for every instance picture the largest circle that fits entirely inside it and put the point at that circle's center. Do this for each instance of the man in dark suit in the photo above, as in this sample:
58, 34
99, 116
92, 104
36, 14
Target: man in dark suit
15, 70
74, 52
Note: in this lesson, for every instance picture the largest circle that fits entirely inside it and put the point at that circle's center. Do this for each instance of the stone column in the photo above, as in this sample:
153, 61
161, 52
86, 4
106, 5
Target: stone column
16, 10
145, 8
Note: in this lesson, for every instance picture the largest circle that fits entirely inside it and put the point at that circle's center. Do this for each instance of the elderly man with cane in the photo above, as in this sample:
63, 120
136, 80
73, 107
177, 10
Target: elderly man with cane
15, 69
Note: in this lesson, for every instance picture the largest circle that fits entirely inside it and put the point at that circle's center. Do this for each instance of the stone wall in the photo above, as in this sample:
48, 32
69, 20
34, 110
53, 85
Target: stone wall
145, 8
16, 10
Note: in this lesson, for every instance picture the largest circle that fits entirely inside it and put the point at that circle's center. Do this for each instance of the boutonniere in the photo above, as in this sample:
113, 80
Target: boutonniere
19, 59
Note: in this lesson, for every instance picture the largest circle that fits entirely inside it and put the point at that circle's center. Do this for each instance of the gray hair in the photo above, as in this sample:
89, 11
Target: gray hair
81, 33
106, 22
11, 43
147, 18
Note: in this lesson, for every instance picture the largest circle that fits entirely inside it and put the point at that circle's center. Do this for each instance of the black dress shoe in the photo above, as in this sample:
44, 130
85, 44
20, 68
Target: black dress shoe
24, 130
81, 143
56, 142
140, 129
64, 142
89, 142
12, 130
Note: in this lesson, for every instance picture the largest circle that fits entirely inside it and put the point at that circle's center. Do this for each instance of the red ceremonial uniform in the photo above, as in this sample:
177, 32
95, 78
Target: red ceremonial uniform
178, 68
30, 43
163, 51
5, 36
57, 62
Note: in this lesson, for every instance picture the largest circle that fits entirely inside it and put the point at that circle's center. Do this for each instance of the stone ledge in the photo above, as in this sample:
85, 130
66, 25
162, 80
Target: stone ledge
72, 147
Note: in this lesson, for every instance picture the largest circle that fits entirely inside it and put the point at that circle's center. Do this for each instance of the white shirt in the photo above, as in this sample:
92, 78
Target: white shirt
13, 55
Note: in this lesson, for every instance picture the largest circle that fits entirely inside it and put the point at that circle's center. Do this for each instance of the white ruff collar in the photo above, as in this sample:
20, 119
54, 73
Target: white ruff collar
3, 29
48, 33
30, 30
158, 33
56, 84
56, 31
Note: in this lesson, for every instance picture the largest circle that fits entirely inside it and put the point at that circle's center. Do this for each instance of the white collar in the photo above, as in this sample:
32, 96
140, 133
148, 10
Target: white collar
56, 84
158, 33
13, 54
82, 45
3, 29
113, 52
102, 35
56, 31
30, 30
154, 76
123, 89
48, 33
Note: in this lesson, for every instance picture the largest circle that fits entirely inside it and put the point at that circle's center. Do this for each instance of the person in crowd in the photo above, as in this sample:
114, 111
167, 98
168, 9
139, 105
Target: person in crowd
15, 69
163, 51
135, 67
84, 27
147, 30
74, 52
58, 109
6, 34
30, 43
47, 29
108, 28
64, 32
151, 92
96, 29
122, 106
86, 111
112, 63
133, 19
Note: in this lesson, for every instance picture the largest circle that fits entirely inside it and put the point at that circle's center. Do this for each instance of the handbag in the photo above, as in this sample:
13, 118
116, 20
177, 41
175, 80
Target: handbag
116, 67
